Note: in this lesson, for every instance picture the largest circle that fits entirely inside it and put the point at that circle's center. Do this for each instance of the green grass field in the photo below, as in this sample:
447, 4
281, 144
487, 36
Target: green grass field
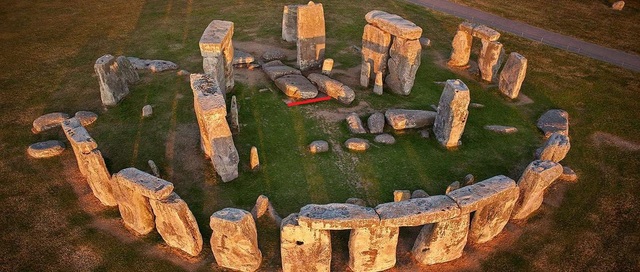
50, 221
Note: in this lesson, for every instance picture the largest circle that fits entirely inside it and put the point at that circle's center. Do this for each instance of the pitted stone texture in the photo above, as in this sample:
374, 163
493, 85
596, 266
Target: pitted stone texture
46, 149
461, 45
355, 124
145, 184
327, 67
417, 212
452, 113
402, 119
357, 144
554, 121
337, 216
401, 195
535, 179
375, 123
512, 75
155, 66
86, 117
442, 241
304, 249
234, 122
290, 23
80, 140
134, 206
296, 86
373, 248
490, 60
241, 57
333, 88
318, 146
403, 64
485, 33
98, 177
216, 48
365, 74
234, 240
276, 69
375, 51
385, 139
473, 197
310, 36
555, 148
177, 225
394, 24
501, 129
489, 220
48, 121
127, 70
419, 194
111, 76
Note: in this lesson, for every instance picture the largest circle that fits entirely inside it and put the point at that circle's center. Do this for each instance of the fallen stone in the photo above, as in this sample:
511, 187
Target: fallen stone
442, 241
337, 216
501, 129
471, 198
425, 42
86, 117
490, 60
355, 124
373, 248
476, 105
333, 88
402, 119
489, 220
424, 133
296, 86
216, 48
535, 179
453, 186
241, 57
378, 86
303, 248
155, 66
177, 225
618, 5
274, 54
375, 123
394, 24
290, 23
113, 84
98, 177
555, 148
154, 168
48, 121
417, 212
404, 60
419, 194
568, 175
356, 201
485, 33
234, 240
461, 44
80, 140
318, 147
375, 52
145, 184
255, 160
468, 180
512, 75
310, 40
276, 69
357, 144
385, 139
401, 195
45, 149
234, 122
147, 111
452, 113
327, 66
262, 204
554, 121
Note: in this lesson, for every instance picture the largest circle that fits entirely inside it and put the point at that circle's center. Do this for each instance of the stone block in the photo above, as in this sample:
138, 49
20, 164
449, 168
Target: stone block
98, 177
333, 88
304, 249
48, 121
452, 113
290, 23
461, 46
373, 248
337, 216
375, 122
375, 51
113, 83
512, 75
310, 36
401, 195
144, 183
555, 148
296, 86
402, 119
177, 225
473, 197
216, 48
404, 60
442, 241
355, 124
534, 181
490, 60
417, 212
46, 149
357, 144
489, 220
485, 33
554, 121
394, 24
234, 240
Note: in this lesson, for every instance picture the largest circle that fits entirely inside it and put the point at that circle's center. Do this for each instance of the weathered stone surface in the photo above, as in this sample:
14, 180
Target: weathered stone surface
471, 198
535, 179
357, 144
490, 59
378, 86
254, 162
468, 180
154, 168
618, 5
98, 177
310, 36
113, 85
373, 248
296, 86
555, 148
216, 48
327, 67
276, 69
333, 88
48, 121
304, 249
404, 60
419, 194
234, 122
461, 44
234, 240
356, 201
145, 184
401, 195
318, 146
134, 207
262, 204
46, 149
489, 220
365, 74
417, 212
402, 119
394, 24
375, 123
452, 113
442, 241
273, 55
155, 66
290, 23
177, 225
86, 117
337, 216
485, 33
501, 129
241, 57
453, 186
147, 111
80, 140
375, 51
355, 124
127, 70
554, 121
568, 175
512, 75
385, 139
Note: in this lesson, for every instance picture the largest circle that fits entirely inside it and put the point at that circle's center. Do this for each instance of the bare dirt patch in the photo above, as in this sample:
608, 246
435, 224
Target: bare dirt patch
600, 138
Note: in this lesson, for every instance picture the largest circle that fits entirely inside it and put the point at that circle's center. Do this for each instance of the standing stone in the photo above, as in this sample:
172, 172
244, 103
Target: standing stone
98, 177
216, 48
401, 195
234, 240
261, 207
310, 36
555, 148
619, 5
403, 64
378, 86
490, 59
126, 69
327, 66
461, 44
365, 74
86, 117
46, 149
112, 79
333, 88
489, 220
402, 119
512, 75
147, 111
373, 248
417, 212
255, 160
394, 24
318, 146
376, 123
80, 140
290, 23
177, 225
48, 121
554, 121
375, 52
442, 241
337, 216
233, 115
452, 113
304, 249
355, 124
534, 181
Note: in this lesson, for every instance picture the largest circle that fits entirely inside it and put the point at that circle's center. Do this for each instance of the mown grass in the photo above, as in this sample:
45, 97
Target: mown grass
50, 69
